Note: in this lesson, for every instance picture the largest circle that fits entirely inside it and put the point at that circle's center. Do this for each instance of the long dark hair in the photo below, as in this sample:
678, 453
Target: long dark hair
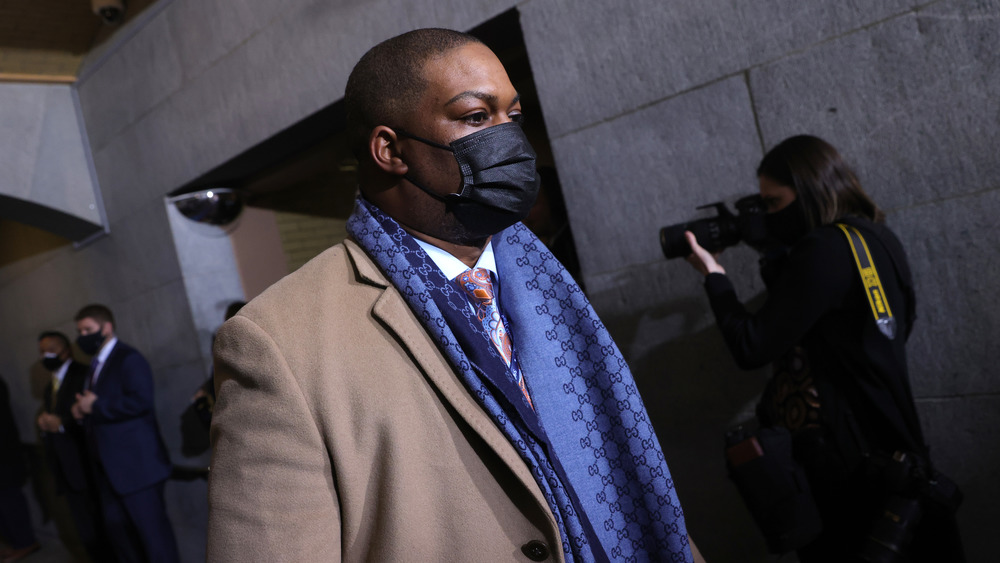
824, 184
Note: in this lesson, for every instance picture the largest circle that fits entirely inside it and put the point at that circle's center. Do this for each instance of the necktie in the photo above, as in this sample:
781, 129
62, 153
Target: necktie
92, 377
478, 285
55, 389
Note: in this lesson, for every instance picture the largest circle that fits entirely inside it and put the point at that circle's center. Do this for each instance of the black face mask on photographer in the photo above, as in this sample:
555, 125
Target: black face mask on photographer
499, 179
788, 225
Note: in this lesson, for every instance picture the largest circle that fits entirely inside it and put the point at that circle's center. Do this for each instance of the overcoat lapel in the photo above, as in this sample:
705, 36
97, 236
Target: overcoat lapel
392, 310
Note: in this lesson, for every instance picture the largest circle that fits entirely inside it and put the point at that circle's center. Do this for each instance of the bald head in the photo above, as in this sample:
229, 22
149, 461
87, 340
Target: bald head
386, 84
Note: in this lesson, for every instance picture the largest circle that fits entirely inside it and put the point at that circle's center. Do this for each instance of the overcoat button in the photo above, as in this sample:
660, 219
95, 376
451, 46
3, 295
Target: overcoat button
536, 550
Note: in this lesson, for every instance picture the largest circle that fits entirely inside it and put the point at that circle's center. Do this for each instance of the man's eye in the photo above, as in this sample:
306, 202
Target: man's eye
517, 118
477, 118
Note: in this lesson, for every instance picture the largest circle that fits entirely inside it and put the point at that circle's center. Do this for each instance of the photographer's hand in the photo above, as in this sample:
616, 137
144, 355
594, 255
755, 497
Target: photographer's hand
702, 260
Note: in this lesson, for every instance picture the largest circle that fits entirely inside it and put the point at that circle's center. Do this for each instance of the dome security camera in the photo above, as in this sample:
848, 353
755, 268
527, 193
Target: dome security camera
218, 207
111, 11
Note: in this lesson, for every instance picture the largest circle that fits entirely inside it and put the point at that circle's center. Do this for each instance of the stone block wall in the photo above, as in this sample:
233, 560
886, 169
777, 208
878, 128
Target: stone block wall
652, 108
675, 109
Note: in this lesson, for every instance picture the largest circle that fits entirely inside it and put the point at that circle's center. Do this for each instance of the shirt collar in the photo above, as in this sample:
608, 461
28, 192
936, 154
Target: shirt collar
102, 356
452, 267
60, 373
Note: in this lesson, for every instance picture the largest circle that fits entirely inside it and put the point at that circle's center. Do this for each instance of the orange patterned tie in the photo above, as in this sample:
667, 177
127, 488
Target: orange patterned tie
478, 285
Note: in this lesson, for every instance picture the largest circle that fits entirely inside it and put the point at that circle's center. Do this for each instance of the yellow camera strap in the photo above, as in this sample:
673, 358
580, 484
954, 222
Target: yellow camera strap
869, 279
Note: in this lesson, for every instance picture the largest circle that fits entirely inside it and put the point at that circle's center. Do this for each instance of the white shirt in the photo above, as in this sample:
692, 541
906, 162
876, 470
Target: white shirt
57, 378
60, 374
452, 267
102, 357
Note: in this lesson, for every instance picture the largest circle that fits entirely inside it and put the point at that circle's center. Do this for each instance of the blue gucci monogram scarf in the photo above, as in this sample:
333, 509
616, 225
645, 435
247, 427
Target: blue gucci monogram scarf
588, 442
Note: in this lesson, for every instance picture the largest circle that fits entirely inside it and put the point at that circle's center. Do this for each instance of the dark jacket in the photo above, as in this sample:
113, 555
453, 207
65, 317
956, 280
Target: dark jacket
818, 301
65, 450
13, 465
122, 431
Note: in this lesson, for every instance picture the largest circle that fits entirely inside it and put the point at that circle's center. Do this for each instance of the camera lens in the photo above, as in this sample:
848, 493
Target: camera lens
673, 242
892, 532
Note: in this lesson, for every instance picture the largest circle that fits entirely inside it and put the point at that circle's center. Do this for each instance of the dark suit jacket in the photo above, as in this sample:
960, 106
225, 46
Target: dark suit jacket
13, 466
65, 450
122, 431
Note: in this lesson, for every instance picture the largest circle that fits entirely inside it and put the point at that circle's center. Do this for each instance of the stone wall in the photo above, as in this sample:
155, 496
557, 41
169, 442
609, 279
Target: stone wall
652, 108
676, 108
47, 181
653, 115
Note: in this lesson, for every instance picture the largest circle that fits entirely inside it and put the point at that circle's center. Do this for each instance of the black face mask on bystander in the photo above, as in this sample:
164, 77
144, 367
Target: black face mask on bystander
90, 344
51, 361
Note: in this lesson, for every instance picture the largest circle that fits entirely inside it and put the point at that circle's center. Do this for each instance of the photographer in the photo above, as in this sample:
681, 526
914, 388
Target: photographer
840, 385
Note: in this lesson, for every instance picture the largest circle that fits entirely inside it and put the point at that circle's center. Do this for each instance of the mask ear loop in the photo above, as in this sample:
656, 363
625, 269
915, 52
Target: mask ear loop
447, 199
405, 133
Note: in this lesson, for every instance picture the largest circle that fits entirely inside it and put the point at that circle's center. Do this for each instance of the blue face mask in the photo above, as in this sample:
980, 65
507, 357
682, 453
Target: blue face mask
499, 178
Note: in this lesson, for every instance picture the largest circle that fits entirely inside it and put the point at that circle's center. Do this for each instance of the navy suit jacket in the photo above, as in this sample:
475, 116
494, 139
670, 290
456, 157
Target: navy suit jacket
122, 431
13, 465
65, 449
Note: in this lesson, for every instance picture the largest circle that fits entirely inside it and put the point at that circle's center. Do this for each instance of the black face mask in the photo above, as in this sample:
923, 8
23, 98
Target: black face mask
787, 225
51, 362
499, 179
90, 343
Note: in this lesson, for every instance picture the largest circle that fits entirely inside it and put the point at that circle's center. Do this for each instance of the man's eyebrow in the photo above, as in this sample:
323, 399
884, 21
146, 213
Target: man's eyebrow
488, 98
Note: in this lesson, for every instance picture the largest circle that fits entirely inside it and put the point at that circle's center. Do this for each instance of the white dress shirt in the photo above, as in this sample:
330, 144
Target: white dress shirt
102, 357
452, 267
60, 374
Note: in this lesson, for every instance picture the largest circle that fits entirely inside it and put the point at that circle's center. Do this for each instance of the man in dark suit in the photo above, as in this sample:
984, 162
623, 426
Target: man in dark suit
64, 442
16, 532
123, 439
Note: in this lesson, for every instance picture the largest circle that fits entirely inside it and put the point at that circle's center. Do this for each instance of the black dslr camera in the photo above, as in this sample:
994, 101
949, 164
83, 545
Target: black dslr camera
913, 487
719, 232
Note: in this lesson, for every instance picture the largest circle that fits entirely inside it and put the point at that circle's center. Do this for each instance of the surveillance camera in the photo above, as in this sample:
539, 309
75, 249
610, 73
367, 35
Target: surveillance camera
111, 11
212, 206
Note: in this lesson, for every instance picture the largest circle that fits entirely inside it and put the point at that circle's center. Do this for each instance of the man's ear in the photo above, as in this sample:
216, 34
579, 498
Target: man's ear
383, 148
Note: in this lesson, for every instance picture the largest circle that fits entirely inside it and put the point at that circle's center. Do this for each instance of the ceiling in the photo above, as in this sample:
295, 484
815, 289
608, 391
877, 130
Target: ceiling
307, 168
47, 40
